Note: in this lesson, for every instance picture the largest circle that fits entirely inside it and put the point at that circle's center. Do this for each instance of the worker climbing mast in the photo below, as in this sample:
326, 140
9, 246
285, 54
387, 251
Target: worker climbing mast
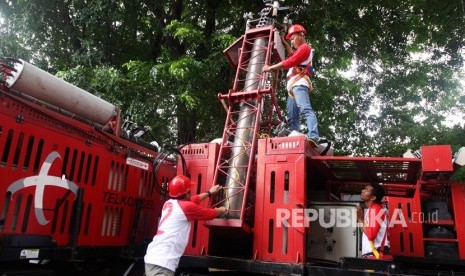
252, 110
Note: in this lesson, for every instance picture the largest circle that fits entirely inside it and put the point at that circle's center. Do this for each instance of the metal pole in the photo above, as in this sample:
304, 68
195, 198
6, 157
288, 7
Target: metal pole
244, 132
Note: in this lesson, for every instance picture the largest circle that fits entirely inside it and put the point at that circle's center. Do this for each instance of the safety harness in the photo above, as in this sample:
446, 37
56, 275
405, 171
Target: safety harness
378, 253
300, 72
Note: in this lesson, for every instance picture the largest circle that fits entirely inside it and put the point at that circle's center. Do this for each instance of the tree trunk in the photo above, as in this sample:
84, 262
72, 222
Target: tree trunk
187, 125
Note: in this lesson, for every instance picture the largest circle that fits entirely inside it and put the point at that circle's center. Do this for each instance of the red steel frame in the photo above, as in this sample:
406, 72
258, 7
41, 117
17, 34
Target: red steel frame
240, 94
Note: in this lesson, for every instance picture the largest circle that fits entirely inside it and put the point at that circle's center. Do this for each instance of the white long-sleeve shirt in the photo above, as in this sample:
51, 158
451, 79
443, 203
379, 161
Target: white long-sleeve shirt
172, 236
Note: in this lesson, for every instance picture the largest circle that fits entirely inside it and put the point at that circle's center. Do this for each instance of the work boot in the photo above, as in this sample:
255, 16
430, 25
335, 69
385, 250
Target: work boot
295, 133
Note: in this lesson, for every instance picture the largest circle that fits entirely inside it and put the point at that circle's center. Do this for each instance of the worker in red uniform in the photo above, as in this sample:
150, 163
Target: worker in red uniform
299, 84
374, 223
168, 245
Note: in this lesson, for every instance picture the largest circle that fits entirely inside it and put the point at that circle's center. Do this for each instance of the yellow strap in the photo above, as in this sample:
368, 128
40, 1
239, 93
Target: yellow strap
298, 77
373, 249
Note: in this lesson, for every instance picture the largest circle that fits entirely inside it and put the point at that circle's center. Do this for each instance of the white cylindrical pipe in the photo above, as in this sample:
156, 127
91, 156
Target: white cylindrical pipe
44, 86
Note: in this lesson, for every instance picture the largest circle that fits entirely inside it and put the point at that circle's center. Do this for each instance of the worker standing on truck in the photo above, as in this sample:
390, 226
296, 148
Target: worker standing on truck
299, 84
374, 223
168, 245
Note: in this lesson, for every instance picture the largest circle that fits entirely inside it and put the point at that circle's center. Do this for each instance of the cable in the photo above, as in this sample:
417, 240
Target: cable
159, 161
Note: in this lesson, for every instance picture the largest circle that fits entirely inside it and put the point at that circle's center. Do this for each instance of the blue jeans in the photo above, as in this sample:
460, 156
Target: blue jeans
301, 104
155, 270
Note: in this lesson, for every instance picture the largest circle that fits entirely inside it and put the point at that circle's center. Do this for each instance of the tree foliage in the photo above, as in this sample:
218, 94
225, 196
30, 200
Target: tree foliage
388, 73
405, 57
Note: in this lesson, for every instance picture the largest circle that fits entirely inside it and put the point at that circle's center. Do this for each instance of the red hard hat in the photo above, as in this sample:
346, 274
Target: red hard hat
179, 186
295, 29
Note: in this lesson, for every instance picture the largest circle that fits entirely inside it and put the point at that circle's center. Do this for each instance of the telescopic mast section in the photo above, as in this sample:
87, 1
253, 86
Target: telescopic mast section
251, 108
39, 86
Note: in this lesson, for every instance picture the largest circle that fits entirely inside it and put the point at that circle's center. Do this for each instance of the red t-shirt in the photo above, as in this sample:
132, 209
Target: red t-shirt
299, 56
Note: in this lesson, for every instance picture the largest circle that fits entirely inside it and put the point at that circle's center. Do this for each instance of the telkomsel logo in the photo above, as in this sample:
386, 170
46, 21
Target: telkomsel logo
40, 181
346, 217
